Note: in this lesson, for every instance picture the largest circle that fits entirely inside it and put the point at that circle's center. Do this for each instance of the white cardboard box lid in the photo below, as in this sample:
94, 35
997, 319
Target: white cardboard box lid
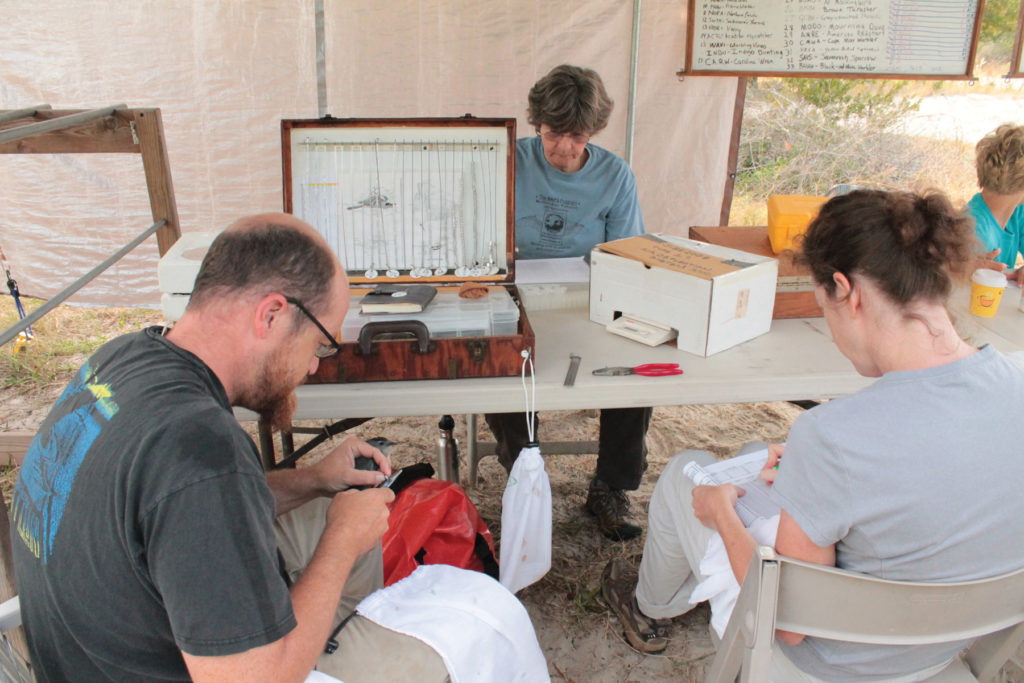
177, 269
682, 255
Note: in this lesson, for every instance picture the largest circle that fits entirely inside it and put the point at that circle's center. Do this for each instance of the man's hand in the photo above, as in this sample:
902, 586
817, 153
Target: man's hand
771, 466
988, 260
360, 517
1016, 276
710, 503
337, 470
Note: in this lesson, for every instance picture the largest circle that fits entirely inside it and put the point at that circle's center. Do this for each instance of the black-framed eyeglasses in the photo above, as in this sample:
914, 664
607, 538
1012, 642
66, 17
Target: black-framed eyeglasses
324, 350
554, 138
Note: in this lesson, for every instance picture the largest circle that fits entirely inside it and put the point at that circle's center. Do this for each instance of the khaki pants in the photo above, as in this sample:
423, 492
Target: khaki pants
675, 544
366, 651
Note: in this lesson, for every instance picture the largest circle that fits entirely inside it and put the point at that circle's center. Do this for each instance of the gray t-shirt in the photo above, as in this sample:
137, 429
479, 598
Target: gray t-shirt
142, 523
916, 478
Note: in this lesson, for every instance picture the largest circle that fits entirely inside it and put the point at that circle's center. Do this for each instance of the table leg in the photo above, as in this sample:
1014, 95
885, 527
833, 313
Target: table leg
267, 447
471, 452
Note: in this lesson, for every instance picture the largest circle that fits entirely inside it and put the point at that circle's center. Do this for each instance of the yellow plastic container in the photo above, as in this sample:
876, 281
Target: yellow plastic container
788, 218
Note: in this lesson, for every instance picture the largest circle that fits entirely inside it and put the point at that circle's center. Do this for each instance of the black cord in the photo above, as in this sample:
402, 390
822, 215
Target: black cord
332, 640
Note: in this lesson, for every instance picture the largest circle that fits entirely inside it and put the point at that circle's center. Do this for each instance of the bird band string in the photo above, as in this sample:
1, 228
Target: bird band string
530, 394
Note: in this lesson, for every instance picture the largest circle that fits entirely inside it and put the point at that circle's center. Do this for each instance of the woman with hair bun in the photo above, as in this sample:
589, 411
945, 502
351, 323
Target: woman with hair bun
998, 210
867, 480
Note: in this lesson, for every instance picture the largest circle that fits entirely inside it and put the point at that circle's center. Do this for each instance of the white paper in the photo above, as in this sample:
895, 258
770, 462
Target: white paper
744, 471
549, 270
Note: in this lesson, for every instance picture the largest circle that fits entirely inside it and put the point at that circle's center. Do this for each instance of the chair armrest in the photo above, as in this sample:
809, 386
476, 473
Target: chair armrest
10, 614
751, 629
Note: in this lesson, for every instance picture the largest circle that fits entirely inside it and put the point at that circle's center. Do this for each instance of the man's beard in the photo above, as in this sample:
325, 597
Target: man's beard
272, 393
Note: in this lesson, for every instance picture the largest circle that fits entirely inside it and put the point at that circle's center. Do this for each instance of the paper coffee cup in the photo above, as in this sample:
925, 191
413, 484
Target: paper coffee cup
987, 287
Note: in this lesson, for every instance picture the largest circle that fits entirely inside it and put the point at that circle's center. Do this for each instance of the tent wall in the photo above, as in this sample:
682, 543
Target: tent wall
225, 73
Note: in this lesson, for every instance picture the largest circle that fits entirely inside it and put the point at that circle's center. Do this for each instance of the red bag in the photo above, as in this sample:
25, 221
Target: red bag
435, 522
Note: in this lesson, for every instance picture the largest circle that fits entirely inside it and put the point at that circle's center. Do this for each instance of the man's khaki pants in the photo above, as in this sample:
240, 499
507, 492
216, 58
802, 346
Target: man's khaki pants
366, 651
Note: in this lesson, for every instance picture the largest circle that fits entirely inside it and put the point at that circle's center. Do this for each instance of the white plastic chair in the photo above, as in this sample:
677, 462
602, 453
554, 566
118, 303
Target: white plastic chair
13, 666
780, 592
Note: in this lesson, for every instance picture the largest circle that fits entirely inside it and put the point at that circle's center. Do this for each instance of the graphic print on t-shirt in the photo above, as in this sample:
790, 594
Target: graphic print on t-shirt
554, 222
53, 460
557, 233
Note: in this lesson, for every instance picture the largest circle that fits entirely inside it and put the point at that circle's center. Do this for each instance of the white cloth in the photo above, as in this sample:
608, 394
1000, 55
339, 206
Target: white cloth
719, 587
480, 629
525, 522
318, 677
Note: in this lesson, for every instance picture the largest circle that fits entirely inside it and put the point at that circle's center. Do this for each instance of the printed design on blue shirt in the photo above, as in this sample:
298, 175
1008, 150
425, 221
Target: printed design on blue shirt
557, 234
53, 460
554, 221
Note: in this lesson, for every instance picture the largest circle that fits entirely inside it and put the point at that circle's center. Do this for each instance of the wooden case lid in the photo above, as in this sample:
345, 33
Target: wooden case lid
407, 200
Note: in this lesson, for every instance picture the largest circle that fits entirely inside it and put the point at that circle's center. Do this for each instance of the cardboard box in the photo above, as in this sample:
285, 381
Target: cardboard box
788, 218
713, 296
177, 270
794, 291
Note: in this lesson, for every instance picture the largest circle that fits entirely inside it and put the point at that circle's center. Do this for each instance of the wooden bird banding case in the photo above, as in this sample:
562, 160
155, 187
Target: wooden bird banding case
415, 201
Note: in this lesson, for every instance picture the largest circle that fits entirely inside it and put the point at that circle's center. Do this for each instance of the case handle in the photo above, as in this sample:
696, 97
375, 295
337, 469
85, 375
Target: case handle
391, 329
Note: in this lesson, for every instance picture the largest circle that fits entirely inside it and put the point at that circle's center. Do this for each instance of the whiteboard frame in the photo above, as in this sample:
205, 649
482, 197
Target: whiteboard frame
968, 73
1017, 59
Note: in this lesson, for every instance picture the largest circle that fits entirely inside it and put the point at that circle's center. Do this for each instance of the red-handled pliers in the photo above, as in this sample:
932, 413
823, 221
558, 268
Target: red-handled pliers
648, 369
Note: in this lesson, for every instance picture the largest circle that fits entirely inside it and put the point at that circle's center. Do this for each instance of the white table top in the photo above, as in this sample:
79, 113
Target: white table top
795, 360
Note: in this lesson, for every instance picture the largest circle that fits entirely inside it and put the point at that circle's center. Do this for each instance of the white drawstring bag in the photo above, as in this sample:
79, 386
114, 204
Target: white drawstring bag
525, 553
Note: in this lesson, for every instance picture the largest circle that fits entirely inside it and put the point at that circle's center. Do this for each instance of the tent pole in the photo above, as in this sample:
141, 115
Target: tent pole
26, 322
321, 59
631, 105
60, 123
734, 150
15, 114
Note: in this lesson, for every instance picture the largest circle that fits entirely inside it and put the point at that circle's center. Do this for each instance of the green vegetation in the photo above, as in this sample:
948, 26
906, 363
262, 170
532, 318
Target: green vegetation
998, 27
63, 339
810, 135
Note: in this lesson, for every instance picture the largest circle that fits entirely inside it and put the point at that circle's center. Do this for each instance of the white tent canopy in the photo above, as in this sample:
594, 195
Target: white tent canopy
225, 73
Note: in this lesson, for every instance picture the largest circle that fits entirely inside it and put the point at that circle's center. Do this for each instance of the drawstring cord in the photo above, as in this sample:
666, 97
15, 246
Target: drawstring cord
530, 394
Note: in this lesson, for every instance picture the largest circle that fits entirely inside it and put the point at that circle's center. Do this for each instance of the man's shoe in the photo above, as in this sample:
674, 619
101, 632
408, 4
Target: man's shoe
618, 586
611, 507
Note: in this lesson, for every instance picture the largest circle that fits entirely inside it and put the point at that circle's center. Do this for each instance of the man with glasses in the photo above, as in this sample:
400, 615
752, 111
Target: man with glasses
571, 195
144, 526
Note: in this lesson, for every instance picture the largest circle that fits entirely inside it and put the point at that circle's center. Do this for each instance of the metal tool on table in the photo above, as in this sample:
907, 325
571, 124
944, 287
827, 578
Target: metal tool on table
574, 366
648, 370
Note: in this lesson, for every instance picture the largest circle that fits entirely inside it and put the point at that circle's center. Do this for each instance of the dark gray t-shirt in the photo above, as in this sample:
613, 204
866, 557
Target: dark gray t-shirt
142, 523
916, 478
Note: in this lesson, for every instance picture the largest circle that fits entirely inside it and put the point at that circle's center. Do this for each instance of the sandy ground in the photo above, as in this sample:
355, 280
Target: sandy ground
967, 118
580, 637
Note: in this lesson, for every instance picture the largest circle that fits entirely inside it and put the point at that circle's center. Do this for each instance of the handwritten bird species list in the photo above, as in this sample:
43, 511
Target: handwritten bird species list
836, 36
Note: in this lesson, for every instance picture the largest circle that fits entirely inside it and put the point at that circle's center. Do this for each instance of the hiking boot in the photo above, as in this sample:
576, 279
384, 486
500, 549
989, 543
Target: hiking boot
618, 586
611, 507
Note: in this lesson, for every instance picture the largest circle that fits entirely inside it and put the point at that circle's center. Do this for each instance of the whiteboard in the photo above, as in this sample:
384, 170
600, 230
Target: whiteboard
864, 38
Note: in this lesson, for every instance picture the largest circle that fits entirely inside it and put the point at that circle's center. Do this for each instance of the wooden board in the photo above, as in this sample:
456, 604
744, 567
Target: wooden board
794, 295
397, 195
833, 38
13, 446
